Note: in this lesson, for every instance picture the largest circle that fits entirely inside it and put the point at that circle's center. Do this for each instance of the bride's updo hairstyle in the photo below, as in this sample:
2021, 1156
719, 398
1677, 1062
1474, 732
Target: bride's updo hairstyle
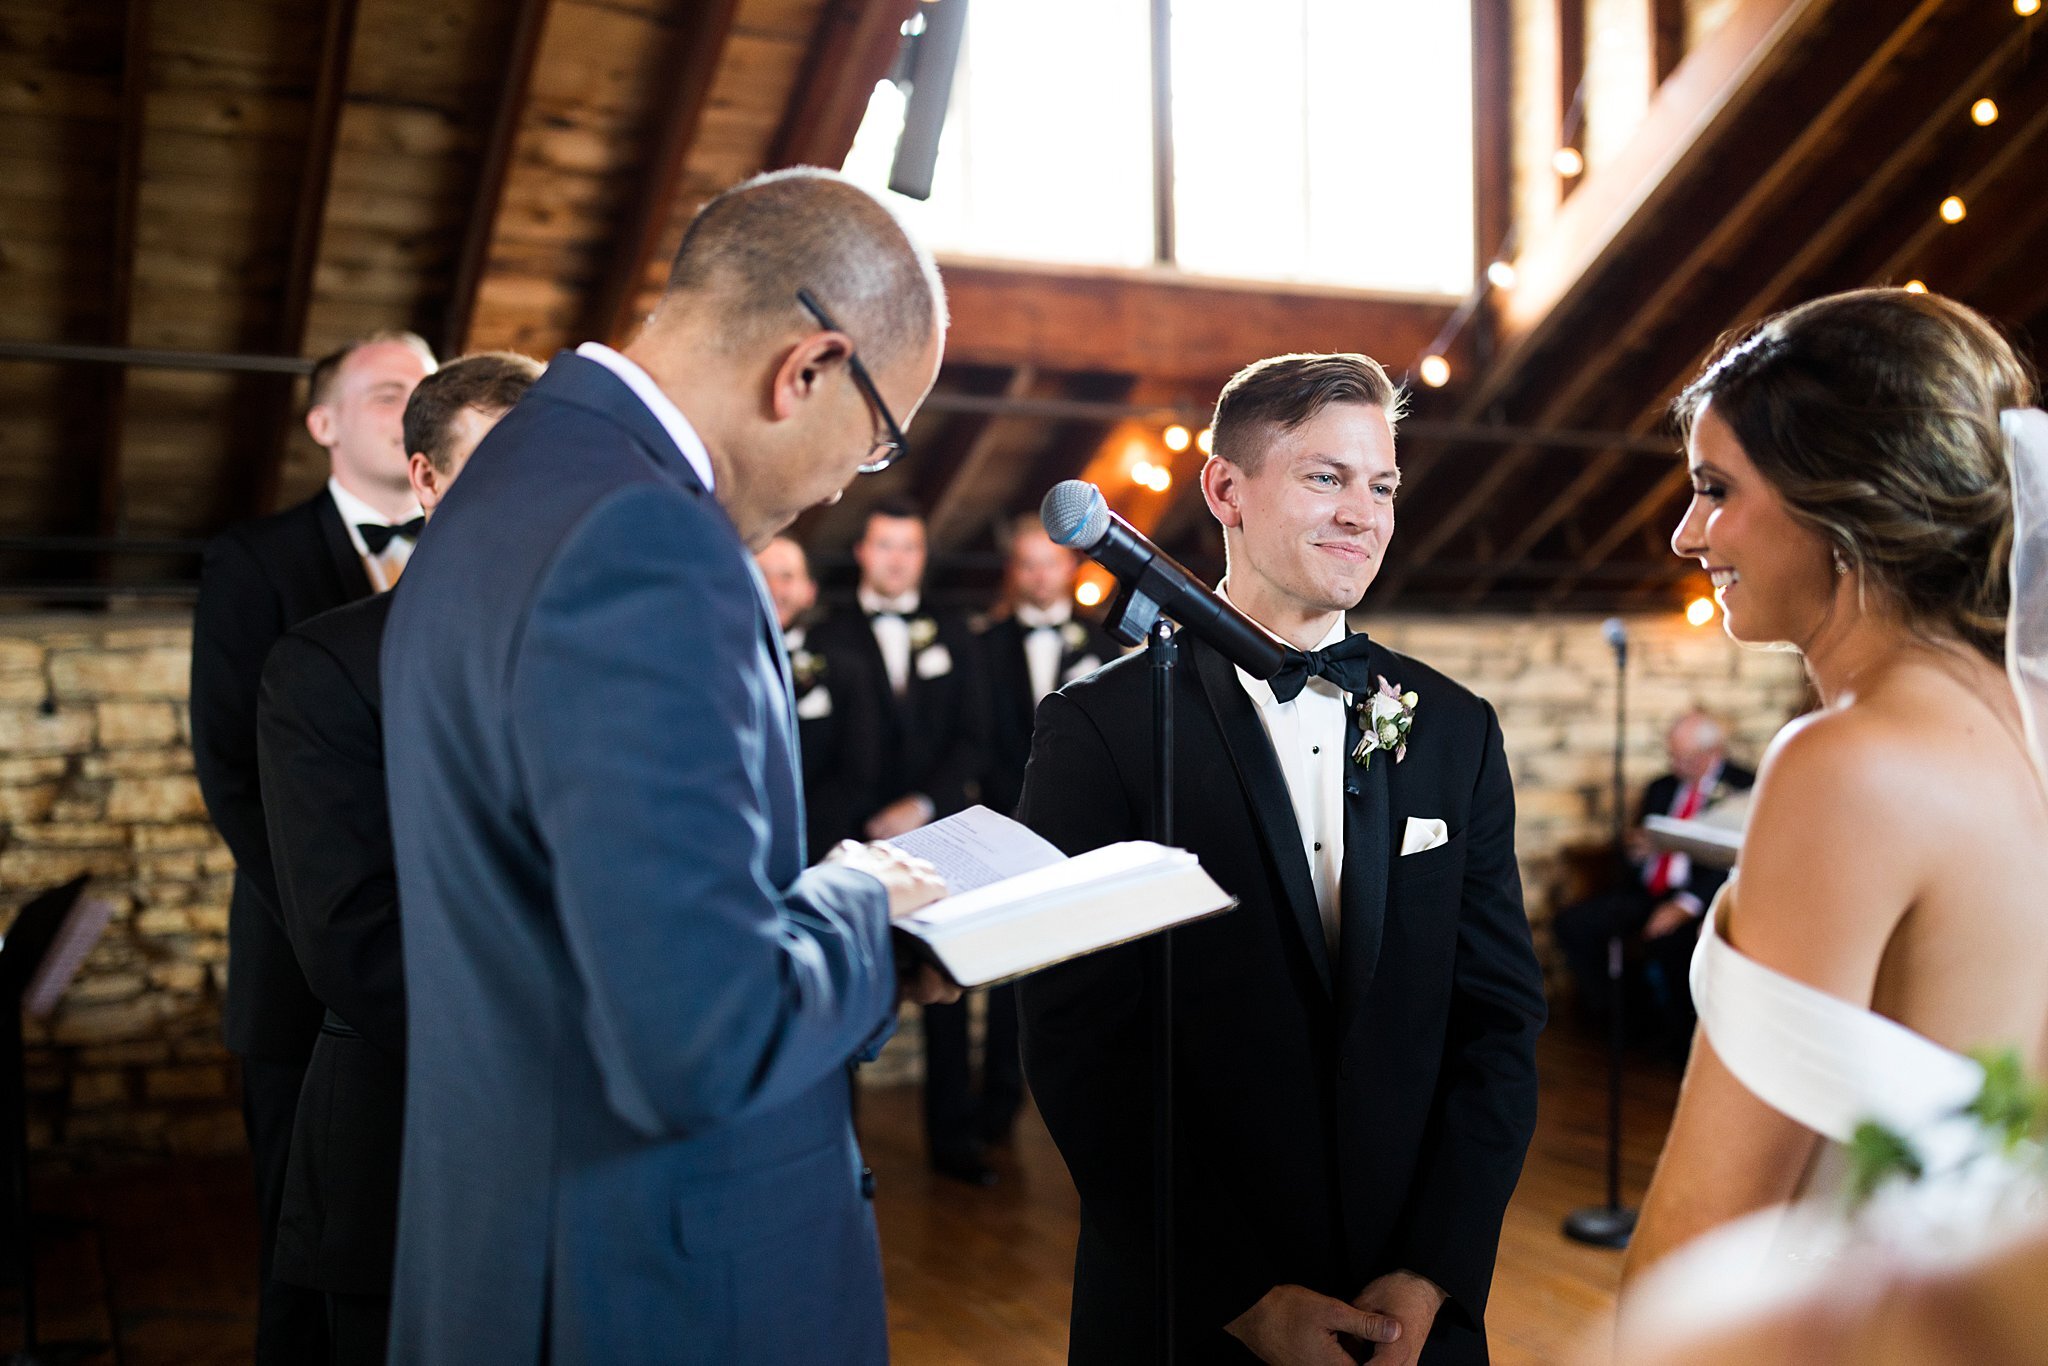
1875, 416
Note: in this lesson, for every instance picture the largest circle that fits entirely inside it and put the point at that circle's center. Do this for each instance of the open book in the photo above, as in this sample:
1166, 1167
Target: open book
1017, 904
1705, 842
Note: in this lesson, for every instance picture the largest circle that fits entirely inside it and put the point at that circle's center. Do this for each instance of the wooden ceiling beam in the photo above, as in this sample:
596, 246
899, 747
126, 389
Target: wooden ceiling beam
1910, 137
487, 201
1617, 535
1179, 331
258, 473
105, 494
1617, 202
700, 40
985, 480
852, 48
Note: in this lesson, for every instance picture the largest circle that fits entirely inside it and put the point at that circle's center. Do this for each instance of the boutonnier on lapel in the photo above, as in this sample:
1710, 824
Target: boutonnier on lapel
805, 668
923, 631
1073, 635
1384, 720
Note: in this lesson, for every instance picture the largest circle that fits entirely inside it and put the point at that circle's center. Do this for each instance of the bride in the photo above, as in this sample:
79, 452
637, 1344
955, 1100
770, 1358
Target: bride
1853, 498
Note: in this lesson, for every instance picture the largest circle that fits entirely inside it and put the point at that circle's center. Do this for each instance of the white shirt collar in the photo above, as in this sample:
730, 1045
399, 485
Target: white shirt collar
1260, 690
903, 605
661, 405
354, 512
1033, 618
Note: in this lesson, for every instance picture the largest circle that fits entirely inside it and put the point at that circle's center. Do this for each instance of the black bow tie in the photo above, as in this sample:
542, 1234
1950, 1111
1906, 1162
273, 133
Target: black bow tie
377, 537
1343, 664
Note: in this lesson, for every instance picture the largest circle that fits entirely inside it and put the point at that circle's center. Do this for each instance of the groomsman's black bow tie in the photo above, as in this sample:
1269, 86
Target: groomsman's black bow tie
1343, 664
376, 537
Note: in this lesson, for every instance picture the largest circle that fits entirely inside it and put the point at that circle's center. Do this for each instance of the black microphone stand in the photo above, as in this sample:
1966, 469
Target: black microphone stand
1135, 615
1613, 1224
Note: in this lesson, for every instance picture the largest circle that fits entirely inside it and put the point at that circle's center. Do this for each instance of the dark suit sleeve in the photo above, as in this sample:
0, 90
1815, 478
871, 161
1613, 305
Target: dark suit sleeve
238, 618
1485, 1109
640, 715
322, 759
1086, 1027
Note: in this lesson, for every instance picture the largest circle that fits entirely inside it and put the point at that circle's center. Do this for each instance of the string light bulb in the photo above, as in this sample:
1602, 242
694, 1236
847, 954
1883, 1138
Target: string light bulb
1984, 113
1567, 162
2026, 8
1700, 611
1501, 274
1435, 371
1176, 437
1205, 441
1916, 287
1953, 209
1088, 593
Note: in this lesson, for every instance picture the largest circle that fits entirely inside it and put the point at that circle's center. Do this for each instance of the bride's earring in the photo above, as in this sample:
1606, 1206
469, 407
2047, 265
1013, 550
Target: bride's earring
1841, 564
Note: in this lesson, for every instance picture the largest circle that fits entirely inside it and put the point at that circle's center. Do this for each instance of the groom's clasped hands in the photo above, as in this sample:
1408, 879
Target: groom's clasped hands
1292, 1325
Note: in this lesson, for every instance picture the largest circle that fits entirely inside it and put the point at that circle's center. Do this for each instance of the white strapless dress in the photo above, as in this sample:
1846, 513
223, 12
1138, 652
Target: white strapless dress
1831, 1065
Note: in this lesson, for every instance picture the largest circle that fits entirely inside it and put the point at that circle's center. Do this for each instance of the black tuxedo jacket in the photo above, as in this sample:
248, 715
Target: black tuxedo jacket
1336, 1120
321, 740
931, 739
837, 719
1011, 710
1701, 881
260, 579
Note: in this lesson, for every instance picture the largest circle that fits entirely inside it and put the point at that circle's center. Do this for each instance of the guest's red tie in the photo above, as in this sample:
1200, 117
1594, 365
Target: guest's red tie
1660, 872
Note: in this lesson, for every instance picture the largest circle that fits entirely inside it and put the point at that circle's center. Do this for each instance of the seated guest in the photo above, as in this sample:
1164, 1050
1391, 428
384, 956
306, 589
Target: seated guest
1662, 895
1033, 647
919, 668
834, 717
320, 744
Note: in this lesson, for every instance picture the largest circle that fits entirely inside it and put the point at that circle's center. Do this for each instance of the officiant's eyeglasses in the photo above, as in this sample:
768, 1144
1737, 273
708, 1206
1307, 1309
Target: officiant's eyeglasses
889, 449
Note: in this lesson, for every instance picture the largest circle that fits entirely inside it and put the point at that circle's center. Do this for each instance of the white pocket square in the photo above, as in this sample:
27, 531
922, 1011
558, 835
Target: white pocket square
814, 705
1423, 834
934, 661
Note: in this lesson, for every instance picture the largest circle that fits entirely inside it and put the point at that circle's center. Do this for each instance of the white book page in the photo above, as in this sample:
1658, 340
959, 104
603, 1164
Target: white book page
977, 847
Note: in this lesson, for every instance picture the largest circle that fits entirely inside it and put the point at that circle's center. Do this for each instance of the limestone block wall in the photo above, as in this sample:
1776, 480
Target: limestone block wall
96, 776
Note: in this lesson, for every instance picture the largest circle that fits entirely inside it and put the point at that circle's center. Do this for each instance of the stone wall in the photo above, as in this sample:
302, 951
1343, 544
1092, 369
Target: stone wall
96, 776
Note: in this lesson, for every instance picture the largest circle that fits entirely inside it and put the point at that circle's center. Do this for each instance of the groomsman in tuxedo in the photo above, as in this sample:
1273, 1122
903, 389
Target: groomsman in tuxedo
630, 1006
1656, 909
920, 666
1035, 644
320, 741
835, 718
260, 579
1354, 1047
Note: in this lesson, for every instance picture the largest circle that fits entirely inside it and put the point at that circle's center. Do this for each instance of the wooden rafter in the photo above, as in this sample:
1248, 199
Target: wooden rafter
700, 41
108, 511
852, 48
521, 53
1617, 535
258, 479
986, 477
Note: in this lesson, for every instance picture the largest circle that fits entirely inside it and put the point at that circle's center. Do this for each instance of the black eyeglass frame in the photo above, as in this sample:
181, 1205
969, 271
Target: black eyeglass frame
895, 445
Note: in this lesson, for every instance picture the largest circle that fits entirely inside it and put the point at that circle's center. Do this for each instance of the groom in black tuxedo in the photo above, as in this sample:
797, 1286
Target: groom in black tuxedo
320, 742
1354, 1048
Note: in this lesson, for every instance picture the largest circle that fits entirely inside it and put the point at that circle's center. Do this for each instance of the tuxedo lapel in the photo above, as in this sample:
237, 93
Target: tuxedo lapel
1368, 849
352, 579
1265, 790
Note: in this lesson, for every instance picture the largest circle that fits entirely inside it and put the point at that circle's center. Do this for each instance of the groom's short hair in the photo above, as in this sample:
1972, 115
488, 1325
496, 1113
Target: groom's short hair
1282, 392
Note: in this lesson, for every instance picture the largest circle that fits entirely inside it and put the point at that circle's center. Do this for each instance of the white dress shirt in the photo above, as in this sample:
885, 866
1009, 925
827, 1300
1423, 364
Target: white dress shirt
383, 569
1308, 739
1044, 646
664, 409
892, 632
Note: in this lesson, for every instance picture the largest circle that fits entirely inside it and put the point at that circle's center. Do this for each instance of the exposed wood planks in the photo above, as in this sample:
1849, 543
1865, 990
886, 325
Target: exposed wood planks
852, 47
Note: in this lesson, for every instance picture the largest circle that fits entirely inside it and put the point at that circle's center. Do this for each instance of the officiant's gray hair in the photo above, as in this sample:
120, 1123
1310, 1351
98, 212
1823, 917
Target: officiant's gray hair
1285, 391
1874, 414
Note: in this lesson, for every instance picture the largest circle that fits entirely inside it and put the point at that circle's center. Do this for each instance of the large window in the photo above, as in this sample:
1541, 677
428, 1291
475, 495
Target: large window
1313, 141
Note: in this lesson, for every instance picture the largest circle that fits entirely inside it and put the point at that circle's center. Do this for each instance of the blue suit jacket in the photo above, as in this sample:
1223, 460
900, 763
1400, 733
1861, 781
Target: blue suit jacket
627, 1132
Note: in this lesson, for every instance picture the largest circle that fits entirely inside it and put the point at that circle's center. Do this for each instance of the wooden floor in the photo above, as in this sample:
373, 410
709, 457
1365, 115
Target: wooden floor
153, 1260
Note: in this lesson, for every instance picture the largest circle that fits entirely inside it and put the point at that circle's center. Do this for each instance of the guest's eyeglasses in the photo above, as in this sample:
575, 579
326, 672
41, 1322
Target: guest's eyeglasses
889, 449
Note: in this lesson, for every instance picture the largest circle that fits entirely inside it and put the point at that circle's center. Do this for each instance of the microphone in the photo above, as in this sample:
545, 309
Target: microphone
1076, 516
1616, 632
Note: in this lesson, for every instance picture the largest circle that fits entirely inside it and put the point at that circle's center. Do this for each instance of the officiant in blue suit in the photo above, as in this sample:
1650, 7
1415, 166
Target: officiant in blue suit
627, 1130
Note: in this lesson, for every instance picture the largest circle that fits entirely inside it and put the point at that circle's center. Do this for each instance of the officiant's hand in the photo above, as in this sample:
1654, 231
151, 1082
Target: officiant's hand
1292, 1325
911, 882
1410, 1301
